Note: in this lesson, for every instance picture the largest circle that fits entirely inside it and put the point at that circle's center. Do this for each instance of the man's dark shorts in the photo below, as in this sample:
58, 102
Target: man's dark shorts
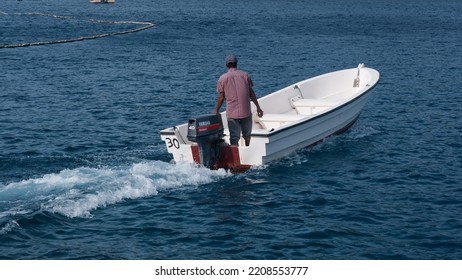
238, 126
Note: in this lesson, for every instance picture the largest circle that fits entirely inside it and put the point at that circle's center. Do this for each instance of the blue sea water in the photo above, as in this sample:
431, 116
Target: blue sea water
84, 174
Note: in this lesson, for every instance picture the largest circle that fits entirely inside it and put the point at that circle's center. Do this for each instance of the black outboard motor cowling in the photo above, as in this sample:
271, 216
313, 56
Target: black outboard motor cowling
207, 132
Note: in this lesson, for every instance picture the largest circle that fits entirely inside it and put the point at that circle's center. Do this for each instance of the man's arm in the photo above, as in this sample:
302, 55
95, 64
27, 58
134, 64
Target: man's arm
253, 97
221, 98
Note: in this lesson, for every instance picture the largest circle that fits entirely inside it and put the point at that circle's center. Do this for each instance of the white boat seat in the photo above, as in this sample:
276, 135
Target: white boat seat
308, 106
272, 121
314, 103
282, 117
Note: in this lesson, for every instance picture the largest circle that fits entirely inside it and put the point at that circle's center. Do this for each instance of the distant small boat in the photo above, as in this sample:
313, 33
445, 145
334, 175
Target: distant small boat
297, 116
102, 1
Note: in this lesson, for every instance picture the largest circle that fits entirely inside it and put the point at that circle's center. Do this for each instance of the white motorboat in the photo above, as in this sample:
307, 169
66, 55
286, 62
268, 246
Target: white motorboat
298, 116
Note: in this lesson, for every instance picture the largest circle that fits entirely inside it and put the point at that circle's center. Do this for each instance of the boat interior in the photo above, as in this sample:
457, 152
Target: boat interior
309, 98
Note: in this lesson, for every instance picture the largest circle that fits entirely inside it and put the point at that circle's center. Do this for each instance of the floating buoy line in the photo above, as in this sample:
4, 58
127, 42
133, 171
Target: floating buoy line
144, 26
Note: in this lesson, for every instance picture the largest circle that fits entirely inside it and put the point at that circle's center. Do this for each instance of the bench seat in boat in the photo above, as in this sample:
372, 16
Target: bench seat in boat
272, 121
307, 106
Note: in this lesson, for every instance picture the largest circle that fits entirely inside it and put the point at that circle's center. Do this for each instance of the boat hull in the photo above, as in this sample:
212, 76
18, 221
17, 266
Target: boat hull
312, 131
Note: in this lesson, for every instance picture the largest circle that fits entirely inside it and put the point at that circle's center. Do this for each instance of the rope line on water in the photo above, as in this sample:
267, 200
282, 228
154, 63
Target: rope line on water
145, 26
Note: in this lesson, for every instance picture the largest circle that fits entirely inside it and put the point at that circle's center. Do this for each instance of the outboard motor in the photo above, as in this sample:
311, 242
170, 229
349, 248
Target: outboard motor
207, 132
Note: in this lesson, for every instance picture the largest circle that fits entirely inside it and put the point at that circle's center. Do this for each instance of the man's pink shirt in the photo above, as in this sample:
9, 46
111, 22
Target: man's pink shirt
236, 85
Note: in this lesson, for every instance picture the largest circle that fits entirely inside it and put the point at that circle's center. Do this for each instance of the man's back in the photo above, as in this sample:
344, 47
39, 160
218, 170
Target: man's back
236, 85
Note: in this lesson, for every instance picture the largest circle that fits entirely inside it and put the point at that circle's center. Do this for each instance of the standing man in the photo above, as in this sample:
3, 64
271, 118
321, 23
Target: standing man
236, 87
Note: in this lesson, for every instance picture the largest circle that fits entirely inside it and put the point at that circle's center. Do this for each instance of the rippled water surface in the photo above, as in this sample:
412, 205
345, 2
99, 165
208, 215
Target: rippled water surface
84, 174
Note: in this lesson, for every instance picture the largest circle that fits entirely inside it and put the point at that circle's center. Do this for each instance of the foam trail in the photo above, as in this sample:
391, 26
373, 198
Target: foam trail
9, 226
78, 192
362, 132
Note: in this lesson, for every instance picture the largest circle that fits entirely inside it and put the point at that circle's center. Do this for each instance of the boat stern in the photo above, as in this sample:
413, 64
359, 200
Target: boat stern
177, 145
